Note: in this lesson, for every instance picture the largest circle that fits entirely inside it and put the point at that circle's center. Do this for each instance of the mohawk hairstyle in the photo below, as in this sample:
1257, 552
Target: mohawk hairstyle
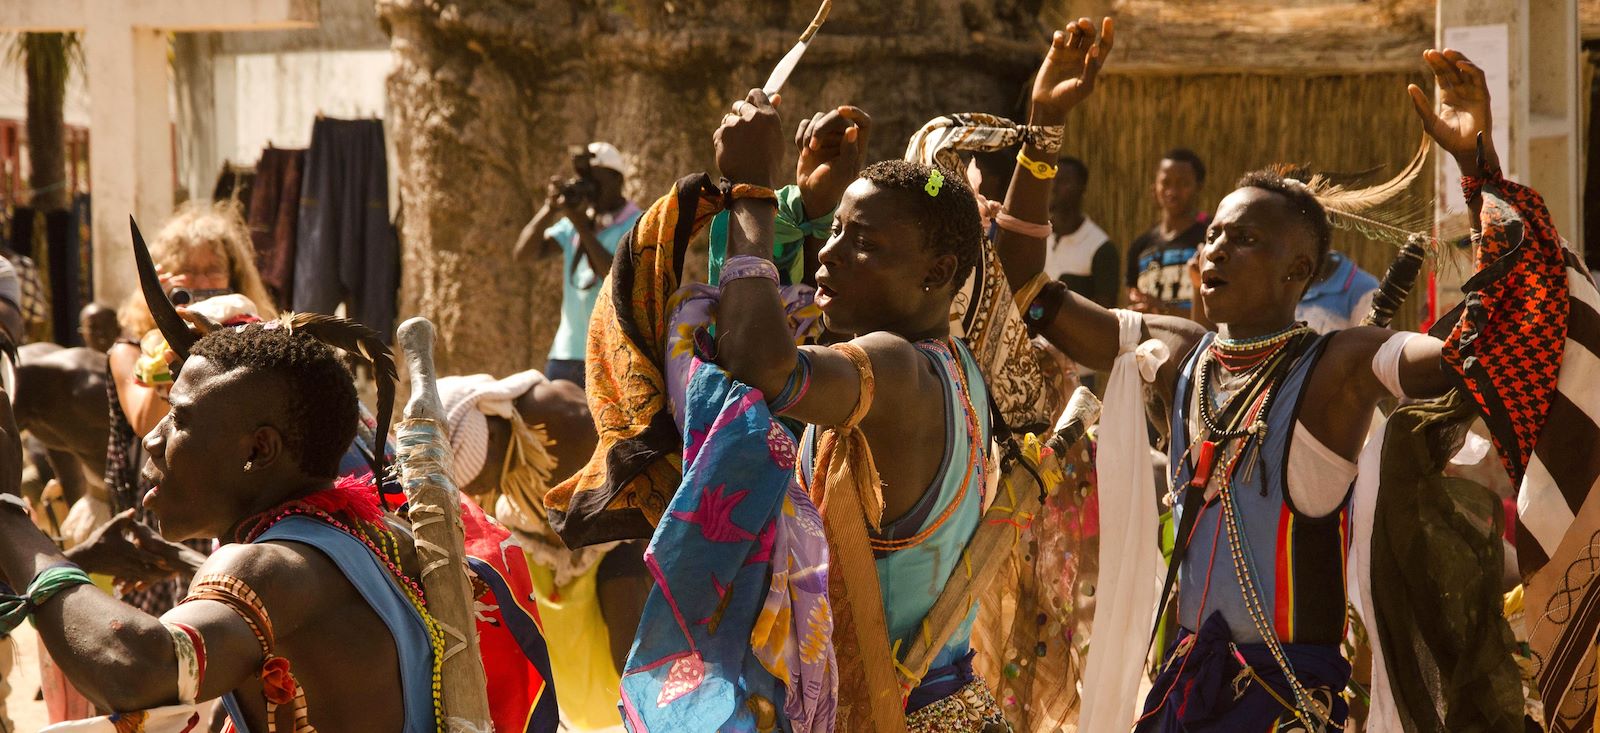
949, 221
319, 393
1290, 183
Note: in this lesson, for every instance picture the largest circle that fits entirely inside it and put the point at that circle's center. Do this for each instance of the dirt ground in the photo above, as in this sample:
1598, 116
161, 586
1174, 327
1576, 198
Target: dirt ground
27, 715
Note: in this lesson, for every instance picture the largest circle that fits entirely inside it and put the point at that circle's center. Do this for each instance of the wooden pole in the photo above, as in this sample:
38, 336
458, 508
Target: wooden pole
436, 521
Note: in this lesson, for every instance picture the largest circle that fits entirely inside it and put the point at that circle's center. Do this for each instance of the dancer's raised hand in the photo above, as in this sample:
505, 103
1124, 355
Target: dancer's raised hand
750, 141
1463, 112
833, 148
1068, 73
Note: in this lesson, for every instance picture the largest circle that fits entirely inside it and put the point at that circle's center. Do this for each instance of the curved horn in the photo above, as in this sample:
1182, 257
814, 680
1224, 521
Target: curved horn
179, 338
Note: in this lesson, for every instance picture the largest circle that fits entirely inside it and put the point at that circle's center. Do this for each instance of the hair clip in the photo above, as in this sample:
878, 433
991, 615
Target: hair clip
935, 182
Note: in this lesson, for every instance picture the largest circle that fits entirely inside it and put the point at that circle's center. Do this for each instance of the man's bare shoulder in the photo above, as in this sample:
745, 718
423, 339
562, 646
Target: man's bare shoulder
280, 572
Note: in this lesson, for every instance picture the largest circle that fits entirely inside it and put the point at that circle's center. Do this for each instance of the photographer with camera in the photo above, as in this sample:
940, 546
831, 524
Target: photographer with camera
585, 215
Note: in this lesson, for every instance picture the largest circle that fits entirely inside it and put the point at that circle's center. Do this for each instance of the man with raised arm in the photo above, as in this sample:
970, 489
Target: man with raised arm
1267, 419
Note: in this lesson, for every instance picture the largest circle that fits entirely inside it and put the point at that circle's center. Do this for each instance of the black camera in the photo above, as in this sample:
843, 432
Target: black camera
581, 188
186, 296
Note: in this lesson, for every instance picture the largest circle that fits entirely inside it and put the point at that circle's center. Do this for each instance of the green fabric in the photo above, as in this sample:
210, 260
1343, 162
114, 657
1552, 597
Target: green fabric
790, 232
1436, 567
14, 608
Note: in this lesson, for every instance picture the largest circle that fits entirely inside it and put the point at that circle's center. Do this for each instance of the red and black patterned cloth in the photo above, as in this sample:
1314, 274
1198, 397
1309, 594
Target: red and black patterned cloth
1507, 346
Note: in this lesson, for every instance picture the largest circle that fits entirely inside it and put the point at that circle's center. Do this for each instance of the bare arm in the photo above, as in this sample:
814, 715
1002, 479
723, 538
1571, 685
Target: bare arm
543, 219
754, 343
589, 243
117, 656
1091, 335
143, 406
1105, 271
123, 658
1065, 79
1463, 115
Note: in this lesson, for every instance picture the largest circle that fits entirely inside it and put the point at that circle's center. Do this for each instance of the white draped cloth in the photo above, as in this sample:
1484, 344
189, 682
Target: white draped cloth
1131, 568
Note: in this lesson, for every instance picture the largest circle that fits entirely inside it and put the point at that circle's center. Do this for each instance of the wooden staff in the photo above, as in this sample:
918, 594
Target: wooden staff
424, 456
997, 535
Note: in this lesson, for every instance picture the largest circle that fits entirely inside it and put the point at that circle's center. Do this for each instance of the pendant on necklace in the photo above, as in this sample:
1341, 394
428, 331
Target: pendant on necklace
1203, 463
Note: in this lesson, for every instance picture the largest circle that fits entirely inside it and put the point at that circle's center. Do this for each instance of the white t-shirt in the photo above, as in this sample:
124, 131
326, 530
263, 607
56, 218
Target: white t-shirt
1073, 254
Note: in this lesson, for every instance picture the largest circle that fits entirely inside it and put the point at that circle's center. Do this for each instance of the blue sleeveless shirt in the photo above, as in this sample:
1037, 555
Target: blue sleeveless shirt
1297, 561
382, 592
911, 579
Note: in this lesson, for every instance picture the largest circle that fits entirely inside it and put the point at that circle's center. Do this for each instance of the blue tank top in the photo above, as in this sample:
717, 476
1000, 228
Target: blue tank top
382, 592
911, 579
1297, 562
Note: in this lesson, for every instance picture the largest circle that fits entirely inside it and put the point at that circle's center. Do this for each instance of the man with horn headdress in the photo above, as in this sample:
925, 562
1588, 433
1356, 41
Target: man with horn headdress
261, 416
1267, 420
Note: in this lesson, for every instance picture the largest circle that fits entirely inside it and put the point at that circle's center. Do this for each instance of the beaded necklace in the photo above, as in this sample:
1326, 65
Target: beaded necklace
1240, 355
1243, 413
358, 507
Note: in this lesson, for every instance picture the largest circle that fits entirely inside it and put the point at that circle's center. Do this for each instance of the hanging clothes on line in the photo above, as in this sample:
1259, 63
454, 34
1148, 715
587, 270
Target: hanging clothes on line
346, 251
65, 275
274, 217
235, 183
83, 229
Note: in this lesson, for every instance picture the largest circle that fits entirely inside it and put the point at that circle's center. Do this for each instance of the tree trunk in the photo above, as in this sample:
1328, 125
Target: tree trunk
46, 68
487, 95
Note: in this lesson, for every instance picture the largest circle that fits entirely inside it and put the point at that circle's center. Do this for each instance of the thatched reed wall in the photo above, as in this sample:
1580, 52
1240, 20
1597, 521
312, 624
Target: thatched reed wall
1239, 122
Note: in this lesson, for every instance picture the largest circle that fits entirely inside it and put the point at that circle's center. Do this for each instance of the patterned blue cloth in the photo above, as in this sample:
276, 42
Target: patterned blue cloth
736, 634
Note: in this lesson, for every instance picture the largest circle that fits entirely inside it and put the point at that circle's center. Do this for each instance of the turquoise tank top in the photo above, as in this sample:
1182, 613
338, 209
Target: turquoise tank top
911, 579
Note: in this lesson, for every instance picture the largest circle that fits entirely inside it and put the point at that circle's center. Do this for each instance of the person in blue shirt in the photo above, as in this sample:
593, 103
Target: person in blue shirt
585, 216
1340, 298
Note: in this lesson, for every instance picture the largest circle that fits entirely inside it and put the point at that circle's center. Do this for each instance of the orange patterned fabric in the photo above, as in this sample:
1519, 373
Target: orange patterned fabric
1508, 343
637, 464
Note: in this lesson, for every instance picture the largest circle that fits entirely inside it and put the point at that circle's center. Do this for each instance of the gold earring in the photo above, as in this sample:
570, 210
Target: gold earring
249, 466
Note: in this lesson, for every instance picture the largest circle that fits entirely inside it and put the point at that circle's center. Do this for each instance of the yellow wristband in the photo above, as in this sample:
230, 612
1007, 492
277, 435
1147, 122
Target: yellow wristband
1041, 171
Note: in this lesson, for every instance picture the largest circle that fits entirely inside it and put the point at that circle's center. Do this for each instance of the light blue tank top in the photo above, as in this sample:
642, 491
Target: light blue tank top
382, 592
911, 579
1296, 561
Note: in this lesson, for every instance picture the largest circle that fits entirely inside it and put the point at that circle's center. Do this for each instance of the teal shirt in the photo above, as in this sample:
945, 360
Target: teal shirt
580, 286
911, 579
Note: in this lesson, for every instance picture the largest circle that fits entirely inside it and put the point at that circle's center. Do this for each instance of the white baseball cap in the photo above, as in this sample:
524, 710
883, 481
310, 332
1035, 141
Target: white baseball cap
606, 155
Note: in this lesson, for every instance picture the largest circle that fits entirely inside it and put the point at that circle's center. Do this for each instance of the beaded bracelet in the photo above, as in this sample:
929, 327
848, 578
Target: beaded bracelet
796, 387
1041, 171
740, 267
1025, 228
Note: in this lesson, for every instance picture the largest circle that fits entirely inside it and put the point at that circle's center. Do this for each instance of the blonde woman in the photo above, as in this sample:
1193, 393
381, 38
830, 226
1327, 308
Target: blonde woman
203, 251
